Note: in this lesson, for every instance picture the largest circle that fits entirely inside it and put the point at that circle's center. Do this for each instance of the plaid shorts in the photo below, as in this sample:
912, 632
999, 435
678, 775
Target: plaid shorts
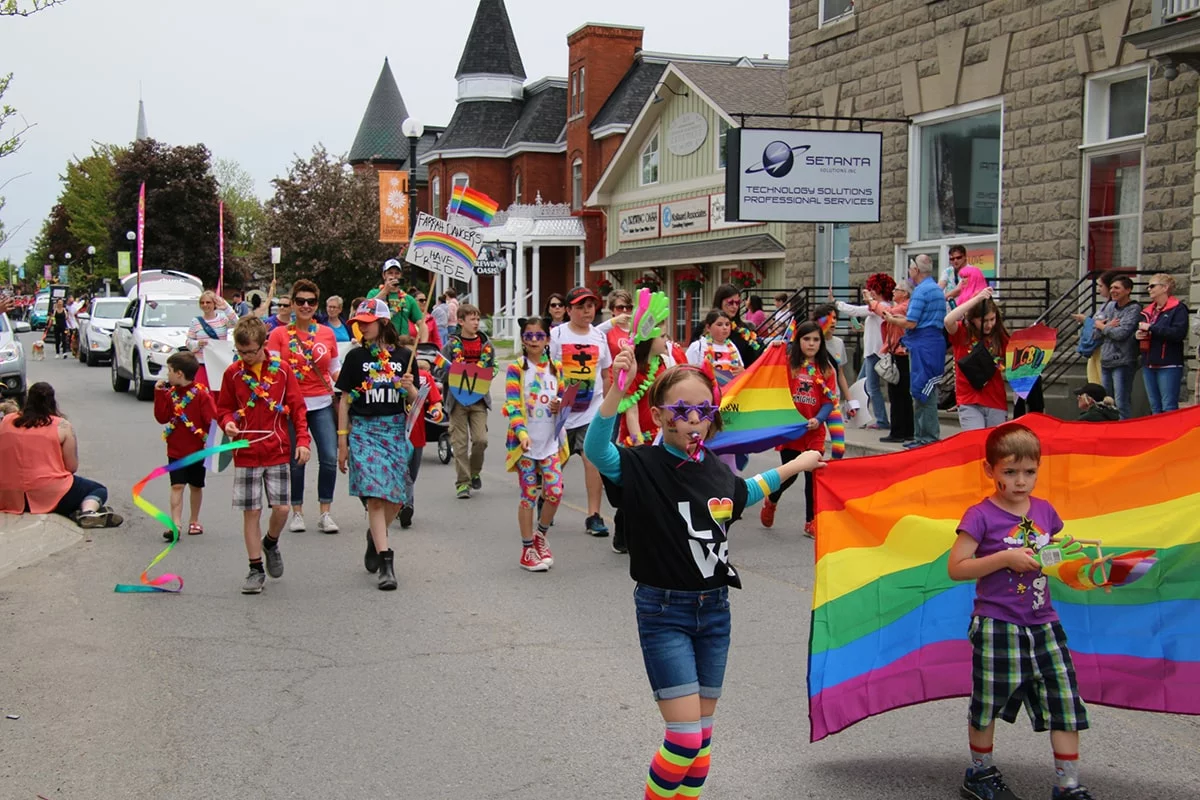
248, 483
1015, 665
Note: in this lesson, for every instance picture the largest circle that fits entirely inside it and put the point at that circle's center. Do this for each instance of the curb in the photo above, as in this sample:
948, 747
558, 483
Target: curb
26, 539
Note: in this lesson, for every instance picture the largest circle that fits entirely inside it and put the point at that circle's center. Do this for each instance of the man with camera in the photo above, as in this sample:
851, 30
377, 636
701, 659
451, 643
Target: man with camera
405, 309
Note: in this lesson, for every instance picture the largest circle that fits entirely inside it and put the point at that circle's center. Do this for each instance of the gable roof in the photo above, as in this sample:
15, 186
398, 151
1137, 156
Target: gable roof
491, 46
379, 136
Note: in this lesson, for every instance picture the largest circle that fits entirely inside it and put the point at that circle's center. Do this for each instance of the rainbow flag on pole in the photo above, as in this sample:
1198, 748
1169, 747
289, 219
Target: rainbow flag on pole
471, 204
889, 627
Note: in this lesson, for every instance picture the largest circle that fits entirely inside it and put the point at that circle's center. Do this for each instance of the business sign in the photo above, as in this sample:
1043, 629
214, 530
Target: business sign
62, 273
686, 133
444, 247
802, 176
491, 262
393, 206
637, 223
716, 214
678, 217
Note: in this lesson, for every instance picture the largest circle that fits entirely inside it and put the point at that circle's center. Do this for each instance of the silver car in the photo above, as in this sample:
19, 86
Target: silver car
12, 363
96, 328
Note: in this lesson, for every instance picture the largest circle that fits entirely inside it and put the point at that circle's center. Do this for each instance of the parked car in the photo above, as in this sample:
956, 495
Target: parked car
152, 327
40, 313
96, 328
13, 382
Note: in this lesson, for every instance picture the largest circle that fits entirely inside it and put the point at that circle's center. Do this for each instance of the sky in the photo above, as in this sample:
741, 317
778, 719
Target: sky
260, 81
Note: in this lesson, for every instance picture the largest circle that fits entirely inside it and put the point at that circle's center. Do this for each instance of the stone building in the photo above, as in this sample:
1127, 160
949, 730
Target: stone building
1039, 136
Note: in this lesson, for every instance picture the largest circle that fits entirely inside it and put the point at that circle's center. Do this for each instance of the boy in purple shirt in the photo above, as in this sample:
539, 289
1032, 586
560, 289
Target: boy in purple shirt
1020, 654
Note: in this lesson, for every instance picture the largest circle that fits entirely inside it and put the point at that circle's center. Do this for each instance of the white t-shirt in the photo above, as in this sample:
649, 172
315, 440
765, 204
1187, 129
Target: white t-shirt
723, 355
837, 350
584, 358
72, 310
695, 355
540, 388
872, 327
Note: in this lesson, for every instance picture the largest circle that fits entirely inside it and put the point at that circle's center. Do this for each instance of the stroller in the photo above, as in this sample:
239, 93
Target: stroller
436, 430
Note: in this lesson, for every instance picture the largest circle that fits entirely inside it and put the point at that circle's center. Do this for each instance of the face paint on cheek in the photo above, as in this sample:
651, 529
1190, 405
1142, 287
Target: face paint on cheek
1003, 486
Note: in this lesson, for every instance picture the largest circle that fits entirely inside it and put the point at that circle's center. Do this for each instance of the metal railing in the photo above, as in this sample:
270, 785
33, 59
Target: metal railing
1174, 9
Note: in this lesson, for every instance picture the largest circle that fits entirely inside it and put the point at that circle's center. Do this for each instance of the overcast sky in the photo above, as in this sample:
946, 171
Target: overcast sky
259, 81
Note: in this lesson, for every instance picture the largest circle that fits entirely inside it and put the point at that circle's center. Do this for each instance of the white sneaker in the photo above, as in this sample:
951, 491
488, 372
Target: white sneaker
327, 525
297, 523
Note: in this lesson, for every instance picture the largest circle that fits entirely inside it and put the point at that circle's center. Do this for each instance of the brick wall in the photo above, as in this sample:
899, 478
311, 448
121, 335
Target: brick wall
492, 176
541, 172
1043, 90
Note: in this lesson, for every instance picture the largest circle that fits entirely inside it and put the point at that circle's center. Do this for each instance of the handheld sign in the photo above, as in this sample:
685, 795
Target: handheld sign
564, 411
444, 247
1027, 357
218, 355
469, 383
416, 411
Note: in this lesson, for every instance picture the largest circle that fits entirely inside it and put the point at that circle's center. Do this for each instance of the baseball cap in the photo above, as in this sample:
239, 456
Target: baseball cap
581, 293
1092, 390
371, 310
391, 263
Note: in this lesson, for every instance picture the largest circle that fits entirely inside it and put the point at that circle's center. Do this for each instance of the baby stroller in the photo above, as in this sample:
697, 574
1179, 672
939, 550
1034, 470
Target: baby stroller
436, 430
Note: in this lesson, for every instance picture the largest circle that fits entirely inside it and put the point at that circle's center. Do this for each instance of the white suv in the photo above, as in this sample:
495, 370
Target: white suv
155, 325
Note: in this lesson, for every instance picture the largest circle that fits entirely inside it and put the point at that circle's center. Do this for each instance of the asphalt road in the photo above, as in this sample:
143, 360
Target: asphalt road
474, 680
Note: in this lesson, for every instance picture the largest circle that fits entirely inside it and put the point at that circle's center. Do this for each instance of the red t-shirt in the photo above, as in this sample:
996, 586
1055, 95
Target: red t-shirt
315, 381
617, 339
472, 349
992, 394
201, 410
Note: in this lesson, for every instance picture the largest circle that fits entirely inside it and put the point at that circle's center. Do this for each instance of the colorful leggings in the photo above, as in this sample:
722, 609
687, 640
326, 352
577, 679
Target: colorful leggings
551, 481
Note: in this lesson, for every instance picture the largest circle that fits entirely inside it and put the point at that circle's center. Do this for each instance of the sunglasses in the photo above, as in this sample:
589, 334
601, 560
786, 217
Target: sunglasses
533, 336
682, 412
556, 305
306, 301
622, 308
420, 299
1152, 285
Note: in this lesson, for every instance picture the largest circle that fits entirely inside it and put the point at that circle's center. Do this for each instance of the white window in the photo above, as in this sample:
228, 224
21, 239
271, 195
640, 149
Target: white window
834, 11
459, 179
517, 188
574, 93
722, 136
579, 105
577, 185
435, 196
650, 161
1115, 108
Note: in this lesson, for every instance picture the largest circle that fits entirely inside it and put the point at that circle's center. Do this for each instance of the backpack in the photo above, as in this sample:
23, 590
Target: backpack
1088, 341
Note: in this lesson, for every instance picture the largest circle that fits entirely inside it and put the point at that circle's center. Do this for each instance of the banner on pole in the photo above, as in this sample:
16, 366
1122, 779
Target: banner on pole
46, 271
393, 206
122, 263
220, 247
444, 247
141, 227
63, 273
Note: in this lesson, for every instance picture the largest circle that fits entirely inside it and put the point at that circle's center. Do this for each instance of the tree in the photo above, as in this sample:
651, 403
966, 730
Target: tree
16, 8
88, 187
9, 142
181, 207
236, 189
325, 217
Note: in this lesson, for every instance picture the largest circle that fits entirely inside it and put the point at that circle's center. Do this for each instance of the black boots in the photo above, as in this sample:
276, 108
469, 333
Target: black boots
371, 558
387, 570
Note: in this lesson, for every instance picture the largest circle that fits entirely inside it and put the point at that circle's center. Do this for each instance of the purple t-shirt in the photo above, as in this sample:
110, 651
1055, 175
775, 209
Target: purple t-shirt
1019, 598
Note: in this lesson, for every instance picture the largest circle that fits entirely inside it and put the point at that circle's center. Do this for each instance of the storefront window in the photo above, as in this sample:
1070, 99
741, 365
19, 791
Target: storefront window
959, 174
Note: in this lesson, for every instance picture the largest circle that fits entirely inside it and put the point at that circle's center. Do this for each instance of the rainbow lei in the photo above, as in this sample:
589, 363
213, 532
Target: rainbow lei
300, 353
710, 357
261, 389
749, 335
630, 400
179, 405
381, 371
834, 422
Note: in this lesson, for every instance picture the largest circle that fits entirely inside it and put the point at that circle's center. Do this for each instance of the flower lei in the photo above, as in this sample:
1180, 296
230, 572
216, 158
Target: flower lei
630, 400
749, 335
646, 438
300, 353
835, 423
381, 371
710, 356
261, 389
180, 405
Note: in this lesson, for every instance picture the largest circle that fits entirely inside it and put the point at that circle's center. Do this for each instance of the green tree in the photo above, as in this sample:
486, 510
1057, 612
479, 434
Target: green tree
325, 217
88, 187
18, 8
181, 207
236, 189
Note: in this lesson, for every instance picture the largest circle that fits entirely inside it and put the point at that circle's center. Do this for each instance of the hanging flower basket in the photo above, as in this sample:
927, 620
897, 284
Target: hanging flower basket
692, 281
648, 282
743, 279
604, 287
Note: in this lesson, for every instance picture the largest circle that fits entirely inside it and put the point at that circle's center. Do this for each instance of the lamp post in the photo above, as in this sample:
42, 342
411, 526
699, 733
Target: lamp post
413, 129
91, 251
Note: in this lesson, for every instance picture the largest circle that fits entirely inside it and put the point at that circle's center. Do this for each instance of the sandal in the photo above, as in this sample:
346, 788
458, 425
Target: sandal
195, 529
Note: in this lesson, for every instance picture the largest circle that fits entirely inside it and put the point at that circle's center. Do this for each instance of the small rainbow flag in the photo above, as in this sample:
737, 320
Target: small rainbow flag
889, 627
1028, 353
447, 244
473, 205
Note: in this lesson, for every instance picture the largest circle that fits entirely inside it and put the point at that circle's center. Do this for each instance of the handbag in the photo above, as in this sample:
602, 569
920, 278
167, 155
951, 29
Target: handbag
978, 366
886, 369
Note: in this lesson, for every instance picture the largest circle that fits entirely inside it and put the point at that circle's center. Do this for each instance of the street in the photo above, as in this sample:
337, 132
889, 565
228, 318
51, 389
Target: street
474, 680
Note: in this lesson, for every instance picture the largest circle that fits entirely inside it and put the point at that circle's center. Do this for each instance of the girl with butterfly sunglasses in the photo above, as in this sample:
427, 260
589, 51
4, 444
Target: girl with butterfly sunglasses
680, 499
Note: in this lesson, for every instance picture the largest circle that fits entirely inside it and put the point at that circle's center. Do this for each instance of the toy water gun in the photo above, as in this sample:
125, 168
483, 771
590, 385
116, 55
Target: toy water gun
651, 312
1066, 560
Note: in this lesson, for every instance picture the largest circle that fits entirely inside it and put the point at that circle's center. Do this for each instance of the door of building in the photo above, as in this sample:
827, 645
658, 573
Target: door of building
686, 312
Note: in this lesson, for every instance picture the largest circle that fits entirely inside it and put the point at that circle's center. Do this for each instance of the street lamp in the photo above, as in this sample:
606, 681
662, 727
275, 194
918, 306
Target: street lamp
91, 259
413, 129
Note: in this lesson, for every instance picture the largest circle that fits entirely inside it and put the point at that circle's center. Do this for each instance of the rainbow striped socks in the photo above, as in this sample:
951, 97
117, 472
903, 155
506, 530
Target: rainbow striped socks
674, 759
693, 782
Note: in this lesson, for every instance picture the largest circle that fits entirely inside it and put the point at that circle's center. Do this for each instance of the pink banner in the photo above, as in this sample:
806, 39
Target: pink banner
221, 247
141, 231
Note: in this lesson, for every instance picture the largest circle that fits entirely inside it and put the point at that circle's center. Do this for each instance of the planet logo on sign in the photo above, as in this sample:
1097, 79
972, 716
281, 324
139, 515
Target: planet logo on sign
778, 158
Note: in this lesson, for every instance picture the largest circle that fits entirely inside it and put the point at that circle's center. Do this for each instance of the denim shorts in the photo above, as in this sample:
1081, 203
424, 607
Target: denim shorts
684, 638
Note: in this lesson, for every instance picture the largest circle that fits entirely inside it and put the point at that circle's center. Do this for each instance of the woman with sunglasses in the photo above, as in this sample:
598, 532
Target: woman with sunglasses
1162, 331
728, 300
555, 310
215, 321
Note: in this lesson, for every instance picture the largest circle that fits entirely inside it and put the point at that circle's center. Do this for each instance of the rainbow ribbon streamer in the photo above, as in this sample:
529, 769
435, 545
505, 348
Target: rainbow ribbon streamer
164, 582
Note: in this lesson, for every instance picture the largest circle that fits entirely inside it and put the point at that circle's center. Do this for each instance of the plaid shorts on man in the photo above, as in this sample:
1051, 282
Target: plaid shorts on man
249, 483
1030, 665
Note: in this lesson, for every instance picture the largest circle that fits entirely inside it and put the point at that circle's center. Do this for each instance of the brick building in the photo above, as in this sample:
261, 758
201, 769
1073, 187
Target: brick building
1040, 139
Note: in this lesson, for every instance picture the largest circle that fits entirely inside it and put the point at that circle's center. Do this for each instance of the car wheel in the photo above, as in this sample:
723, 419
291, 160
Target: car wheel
92, 359
119, 384
143, 390
82, 347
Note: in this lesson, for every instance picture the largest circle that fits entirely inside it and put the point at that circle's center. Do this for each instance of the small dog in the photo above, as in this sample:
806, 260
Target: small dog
39, 350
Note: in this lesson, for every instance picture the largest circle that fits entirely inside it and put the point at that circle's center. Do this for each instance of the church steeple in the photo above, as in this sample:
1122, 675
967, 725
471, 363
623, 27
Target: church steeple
142, 131
490, 67
379, 135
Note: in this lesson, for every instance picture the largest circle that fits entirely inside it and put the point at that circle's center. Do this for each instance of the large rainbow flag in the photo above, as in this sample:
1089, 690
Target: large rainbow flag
889, 627
473, 204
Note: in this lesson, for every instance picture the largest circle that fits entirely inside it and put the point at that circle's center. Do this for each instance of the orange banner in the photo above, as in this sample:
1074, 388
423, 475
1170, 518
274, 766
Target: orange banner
393, 207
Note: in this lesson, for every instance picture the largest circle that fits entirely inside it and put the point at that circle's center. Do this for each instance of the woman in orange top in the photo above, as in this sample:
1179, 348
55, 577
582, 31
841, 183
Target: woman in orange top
40, 456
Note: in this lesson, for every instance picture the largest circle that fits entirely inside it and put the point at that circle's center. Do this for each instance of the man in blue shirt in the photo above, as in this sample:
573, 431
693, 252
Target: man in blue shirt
926, 343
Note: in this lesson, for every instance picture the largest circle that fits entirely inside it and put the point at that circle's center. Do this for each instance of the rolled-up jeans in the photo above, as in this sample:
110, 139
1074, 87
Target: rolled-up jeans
1118, 382
322, 427
879, 409
685, 640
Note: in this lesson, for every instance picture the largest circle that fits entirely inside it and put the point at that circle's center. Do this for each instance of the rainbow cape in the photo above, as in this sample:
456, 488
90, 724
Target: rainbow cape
757, 412
471, 204
1027, 356
889, 627
447, 244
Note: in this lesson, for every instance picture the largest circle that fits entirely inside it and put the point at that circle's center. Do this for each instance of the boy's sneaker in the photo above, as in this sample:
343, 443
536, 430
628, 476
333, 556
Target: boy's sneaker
543, 550
406, 515
766, 514
463, 491
618, 541
985, 784
1074, 793
254, 582
326, 525
297, 524
273, 559
476, 482
810, 531
531, 561
595, 525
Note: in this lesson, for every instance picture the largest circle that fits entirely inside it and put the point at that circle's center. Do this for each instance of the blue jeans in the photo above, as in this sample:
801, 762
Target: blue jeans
322, 427
879, 409
1162, 388
926, 428
81, 489
1118, 382
685, 640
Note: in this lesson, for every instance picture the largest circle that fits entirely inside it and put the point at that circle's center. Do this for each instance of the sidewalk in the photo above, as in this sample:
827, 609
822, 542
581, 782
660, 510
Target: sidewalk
863, 442
26, 539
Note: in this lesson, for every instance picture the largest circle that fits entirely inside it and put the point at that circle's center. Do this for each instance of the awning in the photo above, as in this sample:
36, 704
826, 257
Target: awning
737, 248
